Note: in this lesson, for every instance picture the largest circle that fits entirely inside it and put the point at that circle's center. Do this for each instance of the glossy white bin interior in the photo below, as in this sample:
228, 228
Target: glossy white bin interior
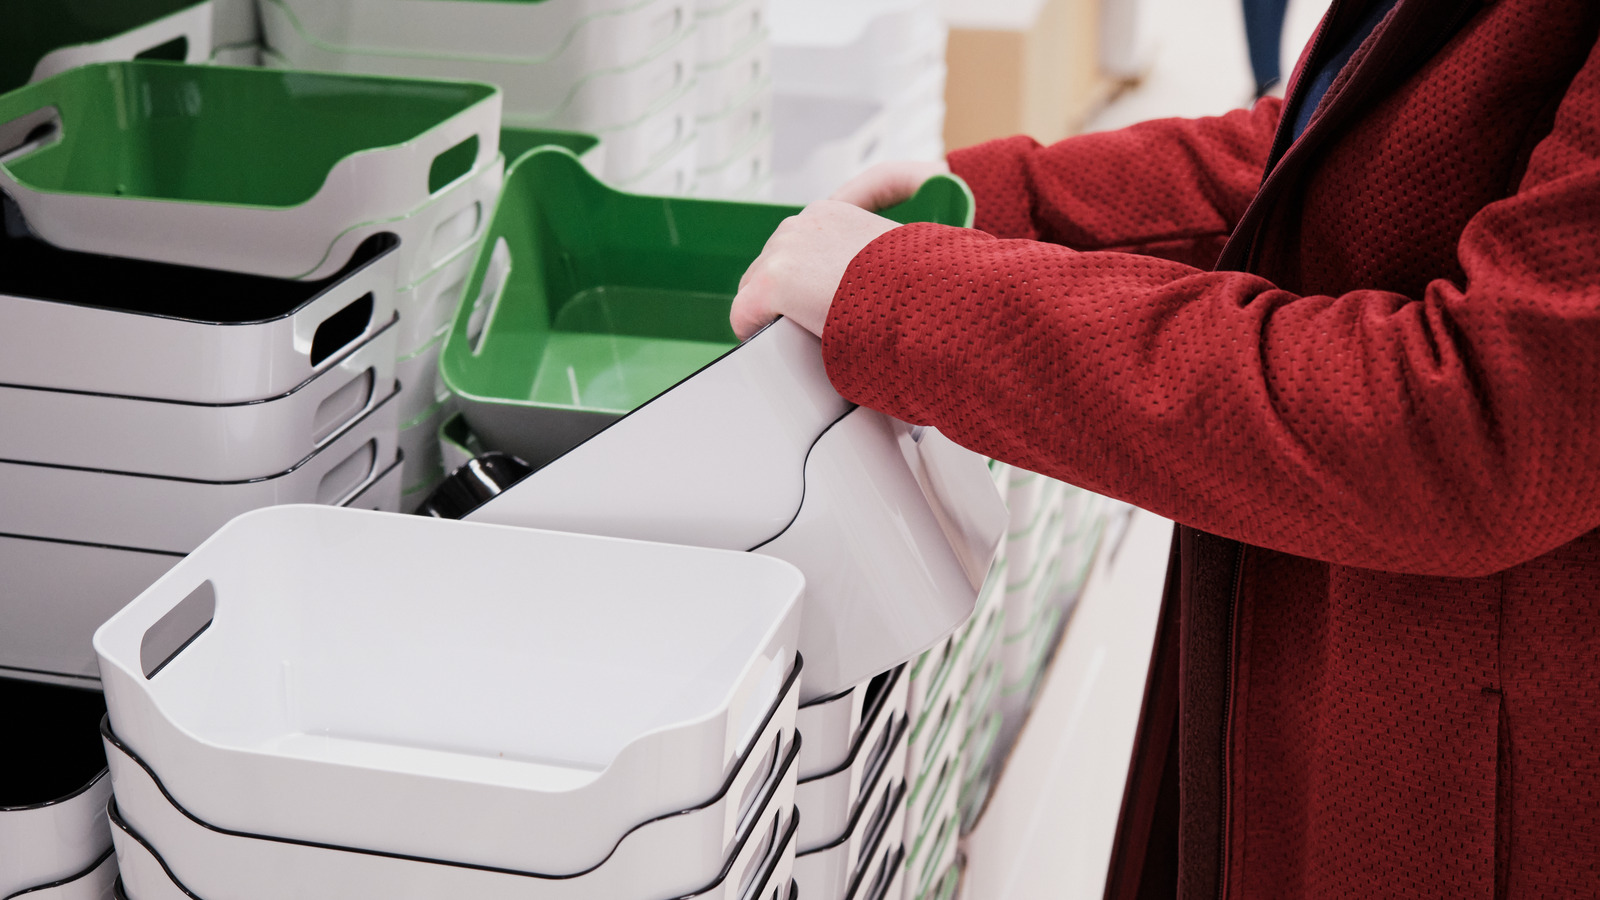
174, 515
673, 855
894, 529
83, 322
53, 787
378, 671
205, 442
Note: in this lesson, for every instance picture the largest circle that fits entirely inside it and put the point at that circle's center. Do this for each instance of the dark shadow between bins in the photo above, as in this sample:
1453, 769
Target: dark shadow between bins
56, 754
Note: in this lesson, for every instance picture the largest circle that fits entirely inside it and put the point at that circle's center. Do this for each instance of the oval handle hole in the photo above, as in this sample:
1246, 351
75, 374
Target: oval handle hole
338, 330
175, 50
351, 472
452, 164
174, 632
338, 408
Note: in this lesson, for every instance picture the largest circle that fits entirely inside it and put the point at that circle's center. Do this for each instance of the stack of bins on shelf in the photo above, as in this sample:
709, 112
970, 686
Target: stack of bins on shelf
197, 315
43, 39
330, 729
938, 709
54, 840
622, 70
852, 791
857, 82
734, 80
985, 671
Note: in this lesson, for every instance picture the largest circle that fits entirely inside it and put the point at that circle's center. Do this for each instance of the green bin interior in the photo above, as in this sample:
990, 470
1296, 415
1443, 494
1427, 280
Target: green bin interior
212, 134
612, 298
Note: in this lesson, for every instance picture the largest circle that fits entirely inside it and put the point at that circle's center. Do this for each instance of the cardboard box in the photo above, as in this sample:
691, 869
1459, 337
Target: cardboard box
1021, 67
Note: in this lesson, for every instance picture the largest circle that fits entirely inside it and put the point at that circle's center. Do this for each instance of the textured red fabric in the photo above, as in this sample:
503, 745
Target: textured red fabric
1397, 407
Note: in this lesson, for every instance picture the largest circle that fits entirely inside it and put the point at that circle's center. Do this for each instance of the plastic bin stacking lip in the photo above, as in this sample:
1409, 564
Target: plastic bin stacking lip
835, 725
722, 27
849, 48
518, 142
41, 39
667, 856
595, 32
174, 515
568, 91
764, 854
53, 788
93, 883
827, 799
882, 799
99, 324
390, 693
830, 873
284, 173
206, 442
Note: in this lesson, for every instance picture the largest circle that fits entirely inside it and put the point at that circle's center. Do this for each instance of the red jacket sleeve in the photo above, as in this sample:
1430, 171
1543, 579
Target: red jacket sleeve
1452, 433
1173, 188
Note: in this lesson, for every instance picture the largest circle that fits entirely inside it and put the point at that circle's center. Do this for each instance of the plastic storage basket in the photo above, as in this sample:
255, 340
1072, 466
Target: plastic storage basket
42, 39
284, 173
684, 647
586, 302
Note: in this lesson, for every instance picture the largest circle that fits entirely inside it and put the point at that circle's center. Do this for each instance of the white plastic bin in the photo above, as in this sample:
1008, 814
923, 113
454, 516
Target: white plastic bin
583, 33
365, 192
684, 647
425, 308
827, 800
101, 325
882, 801
675, 854
53, 788
859, 49
764, 855
723, 26
93, 883
205, 442
829, 873
174, 515
564, 92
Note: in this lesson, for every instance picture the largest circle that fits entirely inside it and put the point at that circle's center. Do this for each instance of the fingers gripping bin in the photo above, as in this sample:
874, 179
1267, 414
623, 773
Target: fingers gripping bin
53, 791
285, 173
290, 699
42, 39
588, 312
676, 854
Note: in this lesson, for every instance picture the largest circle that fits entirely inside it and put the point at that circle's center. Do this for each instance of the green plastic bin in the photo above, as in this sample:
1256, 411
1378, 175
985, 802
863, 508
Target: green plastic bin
585, 302
248, 170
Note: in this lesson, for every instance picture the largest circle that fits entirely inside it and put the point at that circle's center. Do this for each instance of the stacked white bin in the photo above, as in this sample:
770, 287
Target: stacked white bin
54, 842
734, 82
858, 82
619, 69
377, 720
852, 791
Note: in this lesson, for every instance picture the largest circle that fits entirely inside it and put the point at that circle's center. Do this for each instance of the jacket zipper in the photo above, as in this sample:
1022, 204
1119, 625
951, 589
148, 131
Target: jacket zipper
1230, 624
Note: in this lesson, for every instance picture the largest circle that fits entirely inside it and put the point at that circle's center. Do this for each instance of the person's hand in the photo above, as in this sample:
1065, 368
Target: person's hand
886, 184
798, 272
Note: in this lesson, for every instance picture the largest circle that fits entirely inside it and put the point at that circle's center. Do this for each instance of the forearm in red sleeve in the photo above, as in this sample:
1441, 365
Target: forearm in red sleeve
1451, 433
1172, 188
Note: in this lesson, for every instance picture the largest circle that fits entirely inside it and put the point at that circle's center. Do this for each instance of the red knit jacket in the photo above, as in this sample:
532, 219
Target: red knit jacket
1363, 370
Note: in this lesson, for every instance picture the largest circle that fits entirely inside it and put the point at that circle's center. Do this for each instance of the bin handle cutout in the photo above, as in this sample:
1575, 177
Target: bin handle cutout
450, 165
175, 50
489, 294
338, 408
174, 632
29, 133
341, 329
758, 859
348, 477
